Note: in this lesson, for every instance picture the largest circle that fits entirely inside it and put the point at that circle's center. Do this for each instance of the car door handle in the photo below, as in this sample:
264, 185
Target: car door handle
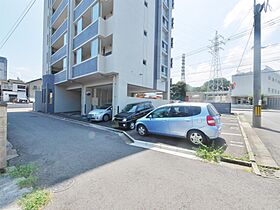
188, 120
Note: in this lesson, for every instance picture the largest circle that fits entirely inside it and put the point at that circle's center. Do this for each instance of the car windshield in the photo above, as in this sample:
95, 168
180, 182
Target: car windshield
130, 108
106, 106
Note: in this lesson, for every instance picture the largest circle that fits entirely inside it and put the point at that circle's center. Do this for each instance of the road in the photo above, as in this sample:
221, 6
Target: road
270, 131
92, 169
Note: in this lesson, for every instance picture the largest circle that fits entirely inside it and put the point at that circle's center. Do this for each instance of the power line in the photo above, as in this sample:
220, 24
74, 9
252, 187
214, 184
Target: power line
19, 20
243, 54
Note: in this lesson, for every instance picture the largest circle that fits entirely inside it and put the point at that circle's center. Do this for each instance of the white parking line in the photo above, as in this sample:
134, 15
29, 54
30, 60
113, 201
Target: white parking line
236, 145
231, 134
237, 142
230, 123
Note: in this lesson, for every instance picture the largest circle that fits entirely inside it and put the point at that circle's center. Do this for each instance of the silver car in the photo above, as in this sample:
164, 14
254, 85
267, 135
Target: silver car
103, 113
198, 122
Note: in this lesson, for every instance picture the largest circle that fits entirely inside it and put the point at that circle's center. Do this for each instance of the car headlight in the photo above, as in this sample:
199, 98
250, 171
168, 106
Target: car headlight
124, 120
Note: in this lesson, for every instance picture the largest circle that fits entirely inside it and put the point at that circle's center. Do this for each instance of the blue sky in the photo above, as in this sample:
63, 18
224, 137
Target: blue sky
195, 24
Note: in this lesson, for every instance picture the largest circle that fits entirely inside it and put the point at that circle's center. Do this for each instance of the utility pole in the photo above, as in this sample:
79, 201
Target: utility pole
183, 70
257, 66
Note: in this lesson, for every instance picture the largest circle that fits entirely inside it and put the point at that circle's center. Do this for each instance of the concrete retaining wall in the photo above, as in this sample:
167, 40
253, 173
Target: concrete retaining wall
223, 108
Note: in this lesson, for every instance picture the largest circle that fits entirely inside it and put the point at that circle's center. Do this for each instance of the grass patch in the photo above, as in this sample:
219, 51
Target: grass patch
244, 158
28, 182
35, 200
24, 171
210, 153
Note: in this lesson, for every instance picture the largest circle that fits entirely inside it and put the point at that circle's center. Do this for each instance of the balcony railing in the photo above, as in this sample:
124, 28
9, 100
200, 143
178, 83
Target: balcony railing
59, 32
88, 33
59, 10
82, 8
84, 68
58, 55
60, 77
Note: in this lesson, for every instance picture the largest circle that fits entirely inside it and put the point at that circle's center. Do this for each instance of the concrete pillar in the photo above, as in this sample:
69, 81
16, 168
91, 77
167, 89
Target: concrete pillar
3, 136
86, 99
83, 101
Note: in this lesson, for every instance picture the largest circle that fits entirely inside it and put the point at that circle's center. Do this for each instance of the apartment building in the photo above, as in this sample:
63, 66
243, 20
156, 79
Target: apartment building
3, 68
12, 91
105, 51
243, 86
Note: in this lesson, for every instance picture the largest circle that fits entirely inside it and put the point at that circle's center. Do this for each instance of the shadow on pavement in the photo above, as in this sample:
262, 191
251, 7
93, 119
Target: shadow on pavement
269, 129
62, 150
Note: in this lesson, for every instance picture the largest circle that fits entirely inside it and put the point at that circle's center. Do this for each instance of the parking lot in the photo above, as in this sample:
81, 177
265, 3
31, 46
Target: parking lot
231, 136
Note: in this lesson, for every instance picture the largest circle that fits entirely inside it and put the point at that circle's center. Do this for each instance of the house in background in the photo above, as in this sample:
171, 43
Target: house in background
13, 91
97, 52
32, 87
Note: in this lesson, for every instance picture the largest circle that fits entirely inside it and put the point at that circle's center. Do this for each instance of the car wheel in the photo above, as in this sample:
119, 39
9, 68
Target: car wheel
132, 126
142, 130
197, 137
106, 118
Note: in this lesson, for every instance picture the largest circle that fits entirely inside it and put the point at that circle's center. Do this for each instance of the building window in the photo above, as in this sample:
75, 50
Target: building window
164, 46
145, 33
78, 56
64, 63
65, 39
269, 90
269, 77
145, 62
146, 3
94, 48
95, 12
79, 26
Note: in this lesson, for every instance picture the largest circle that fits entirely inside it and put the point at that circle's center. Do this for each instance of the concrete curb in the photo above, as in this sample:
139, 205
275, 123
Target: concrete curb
254, 165
177, 151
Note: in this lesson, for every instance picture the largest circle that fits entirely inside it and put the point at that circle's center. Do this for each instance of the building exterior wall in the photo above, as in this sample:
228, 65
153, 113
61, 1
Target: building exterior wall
32, 87
134, 47
3, 68
244, 84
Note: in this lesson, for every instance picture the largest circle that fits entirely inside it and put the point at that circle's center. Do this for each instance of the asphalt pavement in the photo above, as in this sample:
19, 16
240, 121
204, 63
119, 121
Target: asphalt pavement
91, 169
270, 131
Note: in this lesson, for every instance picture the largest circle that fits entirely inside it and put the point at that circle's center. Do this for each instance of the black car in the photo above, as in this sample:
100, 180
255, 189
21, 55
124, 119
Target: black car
127, 118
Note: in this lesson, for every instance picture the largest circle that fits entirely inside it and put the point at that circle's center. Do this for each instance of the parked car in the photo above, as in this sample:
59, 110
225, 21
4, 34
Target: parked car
103, 113
21, 100
127, 118
197, 122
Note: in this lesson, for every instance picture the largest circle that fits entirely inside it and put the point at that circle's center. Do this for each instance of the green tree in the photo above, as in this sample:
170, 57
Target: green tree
216, 85
178, 91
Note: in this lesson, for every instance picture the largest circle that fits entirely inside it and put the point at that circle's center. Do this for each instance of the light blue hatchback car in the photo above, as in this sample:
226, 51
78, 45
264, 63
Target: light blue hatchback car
198, 122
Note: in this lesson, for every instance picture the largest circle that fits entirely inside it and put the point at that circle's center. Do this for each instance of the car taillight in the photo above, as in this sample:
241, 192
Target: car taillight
210, 121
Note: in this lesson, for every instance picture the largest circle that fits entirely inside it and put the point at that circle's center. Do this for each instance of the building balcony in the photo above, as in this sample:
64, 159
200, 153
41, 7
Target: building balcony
81, 8
105, 27
86, 67
57, 34
59, 11
88, 33
60, 77
166, 4
58, 55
